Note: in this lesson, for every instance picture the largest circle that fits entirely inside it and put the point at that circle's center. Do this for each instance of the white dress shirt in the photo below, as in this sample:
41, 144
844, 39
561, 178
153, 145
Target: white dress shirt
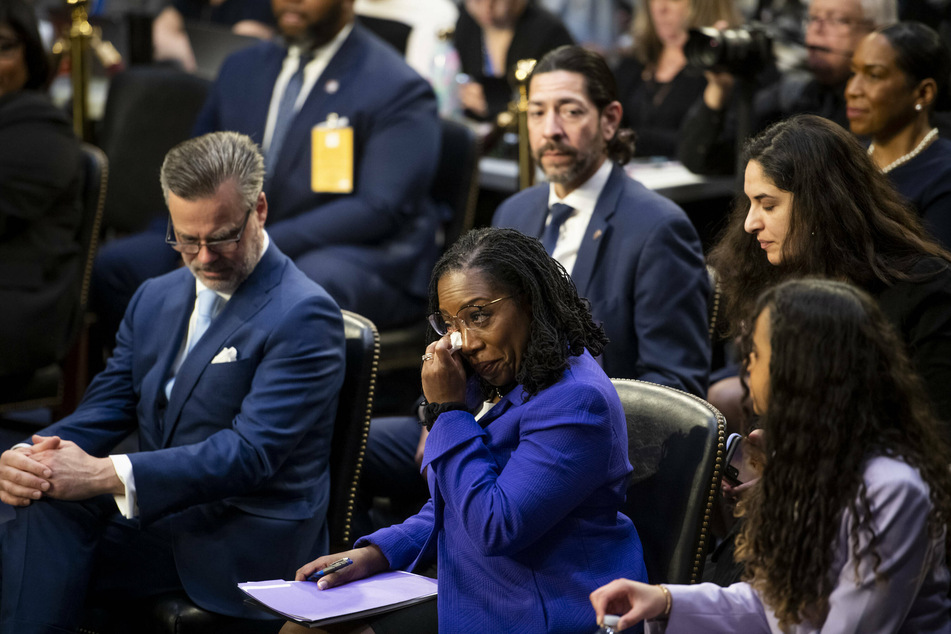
583, 200
312, 73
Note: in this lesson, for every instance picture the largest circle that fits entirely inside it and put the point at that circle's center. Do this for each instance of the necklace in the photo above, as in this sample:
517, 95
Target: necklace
901, 160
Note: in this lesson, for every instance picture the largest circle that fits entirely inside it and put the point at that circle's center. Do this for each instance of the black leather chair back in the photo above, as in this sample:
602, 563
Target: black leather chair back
676, 445
95, 181
149, 110
457, 177
49, 388
456, 185
351, 426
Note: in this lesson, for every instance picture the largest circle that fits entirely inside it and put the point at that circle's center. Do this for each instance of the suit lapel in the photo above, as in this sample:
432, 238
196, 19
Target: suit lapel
175, 312
598, 229
321, 101
261, 82
250, 298
531, 222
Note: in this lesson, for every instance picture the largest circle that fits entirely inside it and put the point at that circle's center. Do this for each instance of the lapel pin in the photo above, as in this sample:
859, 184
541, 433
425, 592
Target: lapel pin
597, 234
332, 86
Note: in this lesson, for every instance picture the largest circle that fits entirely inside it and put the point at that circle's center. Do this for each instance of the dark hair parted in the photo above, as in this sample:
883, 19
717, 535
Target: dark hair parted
920, 54
846, 220
841, 390
518, 265
19, 16
600, 86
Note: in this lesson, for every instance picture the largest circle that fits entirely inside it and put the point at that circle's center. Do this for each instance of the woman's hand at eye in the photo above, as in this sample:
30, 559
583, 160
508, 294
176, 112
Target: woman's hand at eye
444, 375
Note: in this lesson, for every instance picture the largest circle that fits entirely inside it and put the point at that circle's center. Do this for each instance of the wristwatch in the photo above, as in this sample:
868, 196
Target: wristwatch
431, 411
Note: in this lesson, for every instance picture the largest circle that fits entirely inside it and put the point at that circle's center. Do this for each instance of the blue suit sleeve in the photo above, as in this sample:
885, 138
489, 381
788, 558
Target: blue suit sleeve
396, 167
107, 413
670, 309
402, 543
565, 438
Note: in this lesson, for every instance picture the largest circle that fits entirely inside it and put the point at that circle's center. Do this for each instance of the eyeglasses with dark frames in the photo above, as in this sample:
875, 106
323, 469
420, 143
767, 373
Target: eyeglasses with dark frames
472, 317
833, 22
225, 245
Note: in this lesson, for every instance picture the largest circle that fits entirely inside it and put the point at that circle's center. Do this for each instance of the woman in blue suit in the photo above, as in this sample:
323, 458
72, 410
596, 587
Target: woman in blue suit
527, 457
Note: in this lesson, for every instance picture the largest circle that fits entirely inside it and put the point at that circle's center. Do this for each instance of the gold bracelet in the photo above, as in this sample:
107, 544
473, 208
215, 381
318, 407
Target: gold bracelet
669, 601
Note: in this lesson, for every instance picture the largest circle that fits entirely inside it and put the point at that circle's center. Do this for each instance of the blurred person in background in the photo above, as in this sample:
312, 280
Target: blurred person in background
491, 36
899, 78
40, 216
170, 41
655, 84
834, 29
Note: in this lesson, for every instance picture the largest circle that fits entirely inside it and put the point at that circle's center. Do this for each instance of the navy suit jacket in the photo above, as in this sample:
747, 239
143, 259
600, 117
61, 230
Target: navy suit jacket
389, 222
235, 463
641, 267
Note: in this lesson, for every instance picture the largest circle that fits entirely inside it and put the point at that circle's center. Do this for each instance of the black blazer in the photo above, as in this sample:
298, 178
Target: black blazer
536, 32
40, 255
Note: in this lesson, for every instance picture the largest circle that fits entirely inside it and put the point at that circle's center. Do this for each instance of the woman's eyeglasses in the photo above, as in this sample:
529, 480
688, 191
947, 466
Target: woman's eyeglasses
471, 317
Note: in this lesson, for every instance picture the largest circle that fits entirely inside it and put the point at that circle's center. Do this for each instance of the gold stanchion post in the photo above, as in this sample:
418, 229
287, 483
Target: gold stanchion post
80, 33
526, 167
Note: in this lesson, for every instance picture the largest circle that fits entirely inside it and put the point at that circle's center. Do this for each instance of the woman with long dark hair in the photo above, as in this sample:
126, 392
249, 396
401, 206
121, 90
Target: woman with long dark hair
847, 528
816, 205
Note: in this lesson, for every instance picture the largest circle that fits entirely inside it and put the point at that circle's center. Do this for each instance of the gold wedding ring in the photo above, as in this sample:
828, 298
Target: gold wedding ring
428, 356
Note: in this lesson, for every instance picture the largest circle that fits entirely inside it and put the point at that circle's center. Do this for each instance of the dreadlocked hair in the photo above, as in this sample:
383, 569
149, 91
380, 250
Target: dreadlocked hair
841, 390
561, 323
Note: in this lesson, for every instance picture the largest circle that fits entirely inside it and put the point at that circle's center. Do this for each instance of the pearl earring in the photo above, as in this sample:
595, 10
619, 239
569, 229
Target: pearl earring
918, 107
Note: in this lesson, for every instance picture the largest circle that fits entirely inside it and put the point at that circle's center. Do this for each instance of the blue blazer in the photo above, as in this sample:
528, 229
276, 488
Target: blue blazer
238, 456
524, 509
641, 267
389, 222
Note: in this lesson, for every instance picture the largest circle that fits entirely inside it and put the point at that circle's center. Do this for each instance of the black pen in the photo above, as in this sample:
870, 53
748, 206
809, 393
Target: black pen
334, 567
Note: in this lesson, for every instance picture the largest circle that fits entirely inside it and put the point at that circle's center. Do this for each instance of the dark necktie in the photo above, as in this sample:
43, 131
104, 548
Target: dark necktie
285, 113
559, 213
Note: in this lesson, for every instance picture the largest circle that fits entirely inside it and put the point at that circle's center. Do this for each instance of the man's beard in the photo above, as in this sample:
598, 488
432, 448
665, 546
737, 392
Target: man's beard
242, 269
580, 164
322, 31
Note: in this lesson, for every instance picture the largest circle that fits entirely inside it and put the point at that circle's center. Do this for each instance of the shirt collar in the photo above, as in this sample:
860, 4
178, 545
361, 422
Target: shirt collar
325, 52
584, 197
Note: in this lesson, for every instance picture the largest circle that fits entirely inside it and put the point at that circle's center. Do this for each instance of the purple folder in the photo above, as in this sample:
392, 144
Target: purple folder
302, 602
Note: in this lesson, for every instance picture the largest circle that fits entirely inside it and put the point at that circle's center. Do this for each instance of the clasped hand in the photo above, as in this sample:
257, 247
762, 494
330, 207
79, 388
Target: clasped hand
55, 468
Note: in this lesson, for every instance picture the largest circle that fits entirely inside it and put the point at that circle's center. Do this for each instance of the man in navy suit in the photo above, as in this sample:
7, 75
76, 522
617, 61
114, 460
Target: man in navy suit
233, 396
631, 252
372, 248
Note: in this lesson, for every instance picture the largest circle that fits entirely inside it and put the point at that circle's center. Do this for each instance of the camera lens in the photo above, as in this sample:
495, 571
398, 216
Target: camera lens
703, 47
740, 51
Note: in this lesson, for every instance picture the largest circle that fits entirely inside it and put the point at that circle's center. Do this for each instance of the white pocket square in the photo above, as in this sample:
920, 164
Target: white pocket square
227, 355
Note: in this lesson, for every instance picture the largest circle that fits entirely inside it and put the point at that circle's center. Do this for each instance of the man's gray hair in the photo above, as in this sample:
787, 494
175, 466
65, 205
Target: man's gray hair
196, 168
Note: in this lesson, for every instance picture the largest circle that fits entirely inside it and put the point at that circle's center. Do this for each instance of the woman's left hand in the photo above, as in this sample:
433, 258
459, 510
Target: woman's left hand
443, 376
